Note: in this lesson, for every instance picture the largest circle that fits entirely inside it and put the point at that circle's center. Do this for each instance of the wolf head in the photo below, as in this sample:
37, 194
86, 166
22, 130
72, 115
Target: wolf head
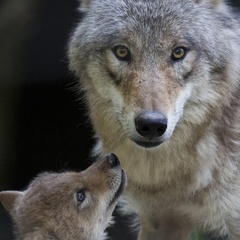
70, 205
150, 68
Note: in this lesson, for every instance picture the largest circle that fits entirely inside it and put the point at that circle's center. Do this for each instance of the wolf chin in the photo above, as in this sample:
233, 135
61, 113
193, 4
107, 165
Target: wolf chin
161, 79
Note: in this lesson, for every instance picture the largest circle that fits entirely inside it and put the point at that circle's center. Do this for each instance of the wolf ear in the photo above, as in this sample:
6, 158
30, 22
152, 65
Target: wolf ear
213, 2
9, 198
84, 5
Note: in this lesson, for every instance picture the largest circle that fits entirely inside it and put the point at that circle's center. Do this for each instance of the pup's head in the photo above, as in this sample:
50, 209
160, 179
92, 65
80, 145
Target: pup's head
148, 66
68, 205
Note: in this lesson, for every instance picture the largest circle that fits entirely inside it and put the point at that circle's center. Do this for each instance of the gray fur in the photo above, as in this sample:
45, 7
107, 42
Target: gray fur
192, 179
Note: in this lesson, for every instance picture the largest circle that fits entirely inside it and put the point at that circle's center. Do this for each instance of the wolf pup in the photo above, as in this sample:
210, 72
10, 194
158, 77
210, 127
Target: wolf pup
67, 206
162, 84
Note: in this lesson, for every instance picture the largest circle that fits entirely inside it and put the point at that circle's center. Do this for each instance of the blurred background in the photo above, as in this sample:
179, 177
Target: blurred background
43, 125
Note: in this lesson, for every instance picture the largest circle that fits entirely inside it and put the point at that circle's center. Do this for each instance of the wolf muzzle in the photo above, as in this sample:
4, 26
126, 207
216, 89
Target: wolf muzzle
151, 125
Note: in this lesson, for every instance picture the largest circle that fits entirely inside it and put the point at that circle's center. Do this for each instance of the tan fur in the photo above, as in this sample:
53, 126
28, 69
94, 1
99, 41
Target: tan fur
49, 209
214, 2
84, 5
193, 175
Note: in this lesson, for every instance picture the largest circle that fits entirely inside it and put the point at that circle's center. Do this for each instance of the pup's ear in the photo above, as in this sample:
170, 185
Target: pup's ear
9, 198
213, 2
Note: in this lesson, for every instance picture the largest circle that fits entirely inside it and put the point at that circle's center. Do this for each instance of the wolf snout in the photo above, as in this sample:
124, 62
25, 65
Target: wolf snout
113, 160
151, 125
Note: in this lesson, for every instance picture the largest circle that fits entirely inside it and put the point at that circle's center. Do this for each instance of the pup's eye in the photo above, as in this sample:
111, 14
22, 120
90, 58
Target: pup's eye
81, 196
121, 53
178, 53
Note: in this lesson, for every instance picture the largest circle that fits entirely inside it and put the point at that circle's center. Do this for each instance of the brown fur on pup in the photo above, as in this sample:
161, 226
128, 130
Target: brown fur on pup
69, 205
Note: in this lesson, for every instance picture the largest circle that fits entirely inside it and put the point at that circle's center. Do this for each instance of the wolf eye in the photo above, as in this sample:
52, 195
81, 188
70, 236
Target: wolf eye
81, 196
121, 53
178, 53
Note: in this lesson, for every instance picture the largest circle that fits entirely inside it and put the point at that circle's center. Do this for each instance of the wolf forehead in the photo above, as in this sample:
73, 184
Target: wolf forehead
124, 16
156, 24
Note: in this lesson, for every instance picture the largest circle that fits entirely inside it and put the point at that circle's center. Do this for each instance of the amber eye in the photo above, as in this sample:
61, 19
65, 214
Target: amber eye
121, 53
178, 53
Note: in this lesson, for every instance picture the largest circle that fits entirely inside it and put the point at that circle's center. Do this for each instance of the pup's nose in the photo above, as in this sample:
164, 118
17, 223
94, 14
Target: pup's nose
113, 160
151, 124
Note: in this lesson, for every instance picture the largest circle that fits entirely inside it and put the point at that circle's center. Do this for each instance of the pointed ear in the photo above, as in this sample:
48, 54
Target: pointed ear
213, 2
84, 5
9, 198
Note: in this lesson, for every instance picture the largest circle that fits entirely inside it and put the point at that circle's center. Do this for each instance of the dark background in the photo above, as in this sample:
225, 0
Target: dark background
43, 124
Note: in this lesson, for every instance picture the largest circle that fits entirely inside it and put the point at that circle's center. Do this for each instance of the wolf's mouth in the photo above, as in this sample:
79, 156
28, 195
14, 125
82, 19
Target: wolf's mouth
120, 189
148, 144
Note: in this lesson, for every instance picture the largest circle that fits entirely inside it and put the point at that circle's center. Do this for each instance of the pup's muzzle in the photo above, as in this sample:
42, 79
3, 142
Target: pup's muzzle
121, 182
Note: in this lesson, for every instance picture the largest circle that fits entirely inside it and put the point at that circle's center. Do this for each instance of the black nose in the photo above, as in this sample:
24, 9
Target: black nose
151, 124
113, 160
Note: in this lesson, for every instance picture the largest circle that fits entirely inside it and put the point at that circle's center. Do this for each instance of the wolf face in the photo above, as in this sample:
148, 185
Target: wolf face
69, 205
146, 68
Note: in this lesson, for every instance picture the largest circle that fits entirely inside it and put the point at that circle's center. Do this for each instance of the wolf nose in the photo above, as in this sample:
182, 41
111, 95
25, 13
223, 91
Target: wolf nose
113, 160
151, 124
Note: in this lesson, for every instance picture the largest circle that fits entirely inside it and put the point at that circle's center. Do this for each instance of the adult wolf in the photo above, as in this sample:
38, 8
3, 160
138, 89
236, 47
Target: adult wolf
162, 82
